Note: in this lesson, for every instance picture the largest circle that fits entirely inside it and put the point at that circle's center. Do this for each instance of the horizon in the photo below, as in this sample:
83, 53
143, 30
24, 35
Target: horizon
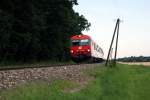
133, 36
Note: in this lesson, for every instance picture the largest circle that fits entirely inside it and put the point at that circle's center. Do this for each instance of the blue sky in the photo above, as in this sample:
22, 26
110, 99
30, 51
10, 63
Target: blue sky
134, 29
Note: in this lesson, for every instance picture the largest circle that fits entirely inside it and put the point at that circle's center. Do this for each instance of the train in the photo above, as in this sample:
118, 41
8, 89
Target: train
84, 49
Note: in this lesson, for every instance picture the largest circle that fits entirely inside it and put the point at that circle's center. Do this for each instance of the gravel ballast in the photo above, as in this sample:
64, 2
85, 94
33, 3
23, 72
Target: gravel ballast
13, 78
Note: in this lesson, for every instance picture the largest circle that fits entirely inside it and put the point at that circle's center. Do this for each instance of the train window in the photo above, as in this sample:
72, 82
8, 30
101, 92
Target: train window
75, 42
97, 47
84, 42
94, 47
80, 42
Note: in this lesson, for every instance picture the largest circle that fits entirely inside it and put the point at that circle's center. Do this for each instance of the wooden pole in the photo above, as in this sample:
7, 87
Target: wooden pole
112, 41
116, 42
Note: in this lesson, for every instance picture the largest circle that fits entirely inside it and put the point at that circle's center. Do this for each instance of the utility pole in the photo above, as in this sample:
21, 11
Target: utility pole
116, 29
116, 42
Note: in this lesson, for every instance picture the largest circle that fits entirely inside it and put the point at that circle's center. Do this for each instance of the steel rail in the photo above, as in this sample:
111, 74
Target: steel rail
42, 66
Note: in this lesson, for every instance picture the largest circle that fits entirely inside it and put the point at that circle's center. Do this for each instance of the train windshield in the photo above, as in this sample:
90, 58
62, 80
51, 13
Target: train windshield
80, 42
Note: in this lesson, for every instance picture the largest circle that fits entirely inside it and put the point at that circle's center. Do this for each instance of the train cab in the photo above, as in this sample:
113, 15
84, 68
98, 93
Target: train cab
82, 48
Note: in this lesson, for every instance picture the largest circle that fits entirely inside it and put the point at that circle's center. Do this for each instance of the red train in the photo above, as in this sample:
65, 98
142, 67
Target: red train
83, 48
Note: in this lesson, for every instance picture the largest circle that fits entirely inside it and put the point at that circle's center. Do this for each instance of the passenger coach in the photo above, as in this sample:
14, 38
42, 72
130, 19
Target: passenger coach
83, 48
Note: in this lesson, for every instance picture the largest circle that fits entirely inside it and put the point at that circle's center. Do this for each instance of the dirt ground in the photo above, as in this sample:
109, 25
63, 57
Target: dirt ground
137, 63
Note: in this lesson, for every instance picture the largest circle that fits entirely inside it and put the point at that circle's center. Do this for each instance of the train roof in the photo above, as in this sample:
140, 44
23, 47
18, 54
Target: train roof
81, 37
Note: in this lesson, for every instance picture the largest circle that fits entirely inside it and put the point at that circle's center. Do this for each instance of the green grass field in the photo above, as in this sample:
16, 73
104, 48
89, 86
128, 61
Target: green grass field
124, 82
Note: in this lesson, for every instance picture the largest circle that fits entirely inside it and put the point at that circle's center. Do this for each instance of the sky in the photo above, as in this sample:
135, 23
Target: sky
134, 35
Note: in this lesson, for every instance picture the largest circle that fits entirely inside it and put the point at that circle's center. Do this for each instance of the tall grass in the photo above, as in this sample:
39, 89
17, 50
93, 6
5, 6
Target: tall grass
122, 82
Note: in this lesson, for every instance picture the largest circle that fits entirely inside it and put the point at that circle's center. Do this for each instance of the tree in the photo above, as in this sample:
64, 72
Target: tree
38, 29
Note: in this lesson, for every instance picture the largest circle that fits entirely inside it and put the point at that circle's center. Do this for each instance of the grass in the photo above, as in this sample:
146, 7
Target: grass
123, 82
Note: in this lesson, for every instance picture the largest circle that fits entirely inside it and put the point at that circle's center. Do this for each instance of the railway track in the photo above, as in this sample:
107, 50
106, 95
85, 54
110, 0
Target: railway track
40, 66
33, 66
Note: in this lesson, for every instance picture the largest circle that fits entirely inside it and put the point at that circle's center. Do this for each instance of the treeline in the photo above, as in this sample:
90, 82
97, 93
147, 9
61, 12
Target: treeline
38, 29
135, 59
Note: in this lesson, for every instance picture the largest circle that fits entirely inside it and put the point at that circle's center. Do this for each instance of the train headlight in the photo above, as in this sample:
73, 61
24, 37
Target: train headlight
71, 51
88, 50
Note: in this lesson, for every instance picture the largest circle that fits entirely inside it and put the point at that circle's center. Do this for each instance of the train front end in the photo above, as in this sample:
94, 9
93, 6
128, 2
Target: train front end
80, 49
